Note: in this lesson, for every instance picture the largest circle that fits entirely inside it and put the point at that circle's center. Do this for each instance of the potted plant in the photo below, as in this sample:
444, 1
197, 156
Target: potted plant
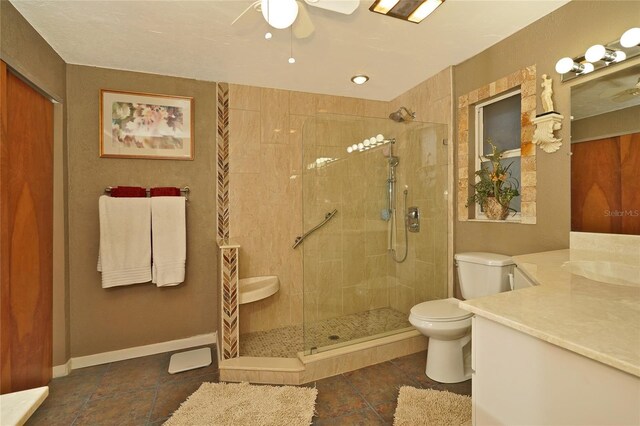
496, 187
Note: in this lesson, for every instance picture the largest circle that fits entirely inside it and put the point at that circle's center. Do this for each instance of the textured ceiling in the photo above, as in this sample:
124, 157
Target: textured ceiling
195, 39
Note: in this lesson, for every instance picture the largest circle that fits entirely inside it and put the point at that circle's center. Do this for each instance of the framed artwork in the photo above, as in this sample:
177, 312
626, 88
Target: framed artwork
144, 125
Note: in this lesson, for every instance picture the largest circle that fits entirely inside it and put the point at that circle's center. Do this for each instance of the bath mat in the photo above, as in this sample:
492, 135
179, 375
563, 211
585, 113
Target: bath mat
431, 407
240, 404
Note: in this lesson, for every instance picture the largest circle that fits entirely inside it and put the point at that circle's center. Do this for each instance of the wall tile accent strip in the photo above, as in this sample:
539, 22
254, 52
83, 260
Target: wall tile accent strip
230, 318
526, 79
223, 163
229, 254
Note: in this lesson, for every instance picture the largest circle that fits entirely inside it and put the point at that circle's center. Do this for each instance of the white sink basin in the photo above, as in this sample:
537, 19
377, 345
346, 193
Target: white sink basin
257, 288
606, 272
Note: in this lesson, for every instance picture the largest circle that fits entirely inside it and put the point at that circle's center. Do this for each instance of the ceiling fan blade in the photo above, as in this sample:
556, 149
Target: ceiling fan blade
251, 6
626, 95
346, 7
303, 26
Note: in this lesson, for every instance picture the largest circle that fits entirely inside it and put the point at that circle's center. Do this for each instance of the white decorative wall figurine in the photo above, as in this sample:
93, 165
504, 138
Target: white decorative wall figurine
547, 122
547, 92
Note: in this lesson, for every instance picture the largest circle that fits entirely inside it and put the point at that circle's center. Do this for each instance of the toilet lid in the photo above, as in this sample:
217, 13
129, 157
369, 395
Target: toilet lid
440, 310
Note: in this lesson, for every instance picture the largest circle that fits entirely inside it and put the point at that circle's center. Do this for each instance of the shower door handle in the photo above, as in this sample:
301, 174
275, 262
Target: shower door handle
413, 219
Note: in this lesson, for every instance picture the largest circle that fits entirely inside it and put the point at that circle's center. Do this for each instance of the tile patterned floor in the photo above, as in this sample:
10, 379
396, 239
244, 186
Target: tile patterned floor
141, 392
286, 342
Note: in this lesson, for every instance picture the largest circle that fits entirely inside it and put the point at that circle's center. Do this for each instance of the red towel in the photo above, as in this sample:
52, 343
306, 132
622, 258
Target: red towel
128, 191
166, 191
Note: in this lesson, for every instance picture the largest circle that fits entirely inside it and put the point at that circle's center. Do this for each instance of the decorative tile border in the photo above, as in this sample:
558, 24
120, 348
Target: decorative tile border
526, 79
229, 301
223, 163
229, 253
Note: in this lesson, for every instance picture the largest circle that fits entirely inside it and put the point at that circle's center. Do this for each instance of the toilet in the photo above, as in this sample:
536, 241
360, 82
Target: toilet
447, 326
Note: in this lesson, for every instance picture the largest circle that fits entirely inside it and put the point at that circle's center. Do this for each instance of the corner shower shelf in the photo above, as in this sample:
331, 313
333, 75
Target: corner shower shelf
257, 288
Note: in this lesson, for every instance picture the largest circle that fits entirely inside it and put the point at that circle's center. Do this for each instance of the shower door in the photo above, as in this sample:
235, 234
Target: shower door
353, 288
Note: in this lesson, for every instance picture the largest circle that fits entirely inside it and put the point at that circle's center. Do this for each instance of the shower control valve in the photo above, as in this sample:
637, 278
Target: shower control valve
413, 219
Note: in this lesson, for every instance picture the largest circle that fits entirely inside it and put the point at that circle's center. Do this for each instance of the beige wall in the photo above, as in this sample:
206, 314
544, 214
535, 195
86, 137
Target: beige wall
542, 43
620, 122
22, 48
110, 319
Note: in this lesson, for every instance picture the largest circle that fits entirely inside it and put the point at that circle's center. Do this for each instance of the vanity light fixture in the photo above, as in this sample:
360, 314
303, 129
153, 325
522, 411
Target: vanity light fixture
567, 64
598, 52
408, 10
360, 79
601, 56
630, 38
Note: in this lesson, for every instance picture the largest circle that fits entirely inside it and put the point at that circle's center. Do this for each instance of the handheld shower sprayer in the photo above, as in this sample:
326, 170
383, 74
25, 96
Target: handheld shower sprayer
398, 116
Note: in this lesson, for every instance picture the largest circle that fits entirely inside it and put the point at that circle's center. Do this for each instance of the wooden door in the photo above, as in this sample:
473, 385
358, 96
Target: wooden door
605, 189
26, 221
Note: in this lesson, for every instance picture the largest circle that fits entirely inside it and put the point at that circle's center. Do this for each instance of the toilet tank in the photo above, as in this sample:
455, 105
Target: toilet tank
482, 274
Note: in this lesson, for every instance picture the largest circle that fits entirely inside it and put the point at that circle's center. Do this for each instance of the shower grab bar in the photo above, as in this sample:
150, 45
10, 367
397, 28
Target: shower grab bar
327, 218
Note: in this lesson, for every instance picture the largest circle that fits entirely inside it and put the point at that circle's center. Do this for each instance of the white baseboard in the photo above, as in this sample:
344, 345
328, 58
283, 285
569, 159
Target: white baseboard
135, 352
61, 370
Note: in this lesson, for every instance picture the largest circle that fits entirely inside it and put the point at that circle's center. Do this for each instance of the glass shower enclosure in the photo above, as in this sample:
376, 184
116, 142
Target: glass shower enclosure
363, 270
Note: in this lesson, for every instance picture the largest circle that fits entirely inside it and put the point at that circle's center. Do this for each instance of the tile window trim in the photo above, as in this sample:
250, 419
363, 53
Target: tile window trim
525, 79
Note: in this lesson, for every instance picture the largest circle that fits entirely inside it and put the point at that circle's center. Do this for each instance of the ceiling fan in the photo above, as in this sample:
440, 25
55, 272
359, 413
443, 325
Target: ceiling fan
627, 94
282, 14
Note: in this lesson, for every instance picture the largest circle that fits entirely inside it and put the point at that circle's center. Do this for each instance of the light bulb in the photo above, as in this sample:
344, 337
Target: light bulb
564, 65
268, 36
360, 145
380, 138
630, 38
349, 149
620, 56
360, 79
372, 140
279, 14
292, 60
588, 67
354, 146
366, 142
595, 53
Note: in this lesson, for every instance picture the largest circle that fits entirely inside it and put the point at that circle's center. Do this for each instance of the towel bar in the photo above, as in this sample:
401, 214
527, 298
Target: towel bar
186, 190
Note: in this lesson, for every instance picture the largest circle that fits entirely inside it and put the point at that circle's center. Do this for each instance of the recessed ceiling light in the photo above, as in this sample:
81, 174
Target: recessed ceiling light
360, 79
292, 60
268, 36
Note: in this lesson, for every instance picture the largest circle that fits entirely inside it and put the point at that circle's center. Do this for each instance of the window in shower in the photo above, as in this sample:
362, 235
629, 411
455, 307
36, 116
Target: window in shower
498, 120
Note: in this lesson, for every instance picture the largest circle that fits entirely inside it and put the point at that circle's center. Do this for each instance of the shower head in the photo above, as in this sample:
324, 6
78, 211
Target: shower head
398, 116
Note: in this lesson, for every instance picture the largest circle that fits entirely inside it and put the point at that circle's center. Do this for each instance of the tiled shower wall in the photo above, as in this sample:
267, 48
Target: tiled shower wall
265, 195
427, 272
345, 263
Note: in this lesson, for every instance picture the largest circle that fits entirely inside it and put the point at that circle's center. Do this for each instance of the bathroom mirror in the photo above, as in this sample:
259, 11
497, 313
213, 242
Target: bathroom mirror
605, 160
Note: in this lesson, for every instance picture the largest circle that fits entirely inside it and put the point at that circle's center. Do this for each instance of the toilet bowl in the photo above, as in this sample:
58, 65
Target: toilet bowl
447, 326
449, 330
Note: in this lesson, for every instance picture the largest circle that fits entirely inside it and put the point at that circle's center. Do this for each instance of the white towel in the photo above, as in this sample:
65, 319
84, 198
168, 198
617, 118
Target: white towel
125, 241
169, 236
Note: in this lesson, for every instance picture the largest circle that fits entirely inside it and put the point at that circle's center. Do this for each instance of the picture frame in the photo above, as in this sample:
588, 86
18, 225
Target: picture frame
146, 125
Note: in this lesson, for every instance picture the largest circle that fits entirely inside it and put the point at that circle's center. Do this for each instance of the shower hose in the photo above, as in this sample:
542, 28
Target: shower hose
406, 233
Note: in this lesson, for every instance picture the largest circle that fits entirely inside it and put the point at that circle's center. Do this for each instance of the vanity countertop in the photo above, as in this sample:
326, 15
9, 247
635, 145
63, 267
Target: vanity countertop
598, 320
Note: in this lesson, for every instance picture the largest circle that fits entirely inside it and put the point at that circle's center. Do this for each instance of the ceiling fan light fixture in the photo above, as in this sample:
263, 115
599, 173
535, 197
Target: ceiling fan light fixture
279, 14
360, 79
408, 10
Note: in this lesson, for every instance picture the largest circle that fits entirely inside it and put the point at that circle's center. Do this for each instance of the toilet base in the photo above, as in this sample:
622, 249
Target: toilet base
446, 360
